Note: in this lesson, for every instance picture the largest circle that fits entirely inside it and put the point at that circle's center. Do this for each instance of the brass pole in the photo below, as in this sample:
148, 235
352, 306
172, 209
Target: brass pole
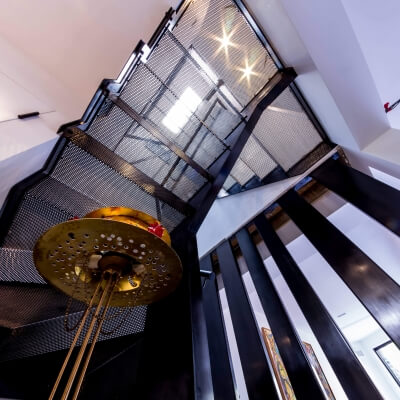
85, 341
74, 341
95, 337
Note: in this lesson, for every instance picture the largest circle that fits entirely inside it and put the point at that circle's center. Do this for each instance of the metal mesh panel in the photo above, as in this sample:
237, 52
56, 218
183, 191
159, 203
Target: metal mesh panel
85, 174
283, 136
50, 335
286, 131
304, 164
203, 27
34, 216
27, 304
156, 87
110, 127
229, 182
131, 141
241, 172
257, 158
17, 265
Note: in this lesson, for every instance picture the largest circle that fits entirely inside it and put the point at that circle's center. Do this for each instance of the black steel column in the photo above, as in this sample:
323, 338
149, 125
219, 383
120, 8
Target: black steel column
223, 383
344, 362
257, 375
289, 344
175, 361
186, 247
373, 287
380, 201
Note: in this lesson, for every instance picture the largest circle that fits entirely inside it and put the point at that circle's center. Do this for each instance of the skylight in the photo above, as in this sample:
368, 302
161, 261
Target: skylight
181, 111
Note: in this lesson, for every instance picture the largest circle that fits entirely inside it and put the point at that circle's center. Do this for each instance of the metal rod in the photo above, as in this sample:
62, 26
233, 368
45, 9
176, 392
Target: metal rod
85, 341
74, 341
94, 340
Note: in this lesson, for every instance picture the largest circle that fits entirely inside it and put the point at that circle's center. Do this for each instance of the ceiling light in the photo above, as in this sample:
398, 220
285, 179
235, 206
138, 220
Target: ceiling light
225, 41
247, 71
181, 111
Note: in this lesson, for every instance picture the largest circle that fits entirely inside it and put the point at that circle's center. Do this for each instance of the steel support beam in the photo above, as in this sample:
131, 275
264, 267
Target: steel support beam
146, 124
223, 383
257, 375
204, 199
379, 293
116, 162
289, 344
175, 362
378, 200
344, 362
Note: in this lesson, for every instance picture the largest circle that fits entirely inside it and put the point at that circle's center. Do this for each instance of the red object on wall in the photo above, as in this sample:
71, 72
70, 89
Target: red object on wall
387, 107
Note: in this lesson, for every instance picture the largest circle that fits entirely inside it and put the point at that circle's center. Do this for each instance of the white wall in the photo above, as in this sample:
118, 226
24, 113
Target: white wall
365, 351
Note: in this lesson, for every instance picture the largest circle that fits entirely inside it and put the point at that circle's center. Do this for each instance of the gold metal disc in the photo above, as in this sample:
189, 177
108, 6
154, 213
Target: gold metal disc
72, 255
129, 216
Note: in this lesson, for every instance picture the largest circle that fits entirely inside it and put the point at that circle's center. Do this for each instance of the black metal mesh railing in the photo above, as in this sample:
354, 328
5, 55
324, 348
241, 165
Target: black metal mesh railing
283, 137
170, 120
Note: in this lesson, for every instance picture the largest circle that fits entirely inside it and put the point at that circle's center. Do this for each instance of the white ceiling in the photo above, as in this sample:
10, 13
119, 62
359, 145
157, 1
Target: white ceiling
78, 43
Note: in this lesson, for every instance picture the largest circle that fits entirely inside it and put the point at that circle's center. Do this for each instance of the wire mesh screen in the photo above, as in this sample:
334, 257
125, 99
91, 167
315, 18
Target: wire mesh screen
219, 33
284, 136
50, 335
286, 131
170, 80
187, 97
78, 184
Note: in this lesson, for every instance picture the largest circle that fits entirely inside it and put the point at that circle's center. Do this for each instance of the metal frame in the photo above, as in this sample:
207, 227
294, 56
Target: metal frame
157, 134
344, 362
375, 198
222, 167
104, 154
257, 375
290, 346
221, 368
361, 274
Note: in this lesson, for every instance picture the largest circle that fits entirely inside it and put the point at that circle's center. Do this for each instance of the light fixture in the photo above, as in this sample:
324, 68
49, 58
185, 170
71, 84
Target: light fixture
225, 41
247, 71
181, 111
112, 257
214, 78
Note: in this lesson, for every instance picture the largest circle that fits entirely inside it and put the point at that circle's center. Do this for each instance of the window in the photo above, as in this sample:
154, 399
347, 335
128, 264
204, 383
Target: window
180, 112
390, 356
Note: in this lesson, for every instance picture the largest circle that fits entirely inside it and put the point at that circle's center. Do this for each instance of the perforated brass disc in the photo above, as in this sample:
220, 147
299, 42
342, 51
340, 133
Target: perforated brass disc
66, 256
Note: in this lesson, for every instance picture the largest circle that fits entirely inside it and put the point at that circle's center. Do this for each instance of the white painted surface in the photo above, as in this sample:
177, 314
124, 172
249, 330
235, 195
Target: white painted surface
15, 100
386, 147
374, 366
385, 178
273, 18
240, 384
376, 26
327, 33
78, 43
18, 167
17, 136
229, 213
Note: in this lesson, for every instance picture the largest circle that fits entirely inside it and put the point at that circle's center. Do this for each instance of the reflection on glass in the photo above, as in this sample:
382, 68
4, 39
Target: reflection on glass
390, 356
